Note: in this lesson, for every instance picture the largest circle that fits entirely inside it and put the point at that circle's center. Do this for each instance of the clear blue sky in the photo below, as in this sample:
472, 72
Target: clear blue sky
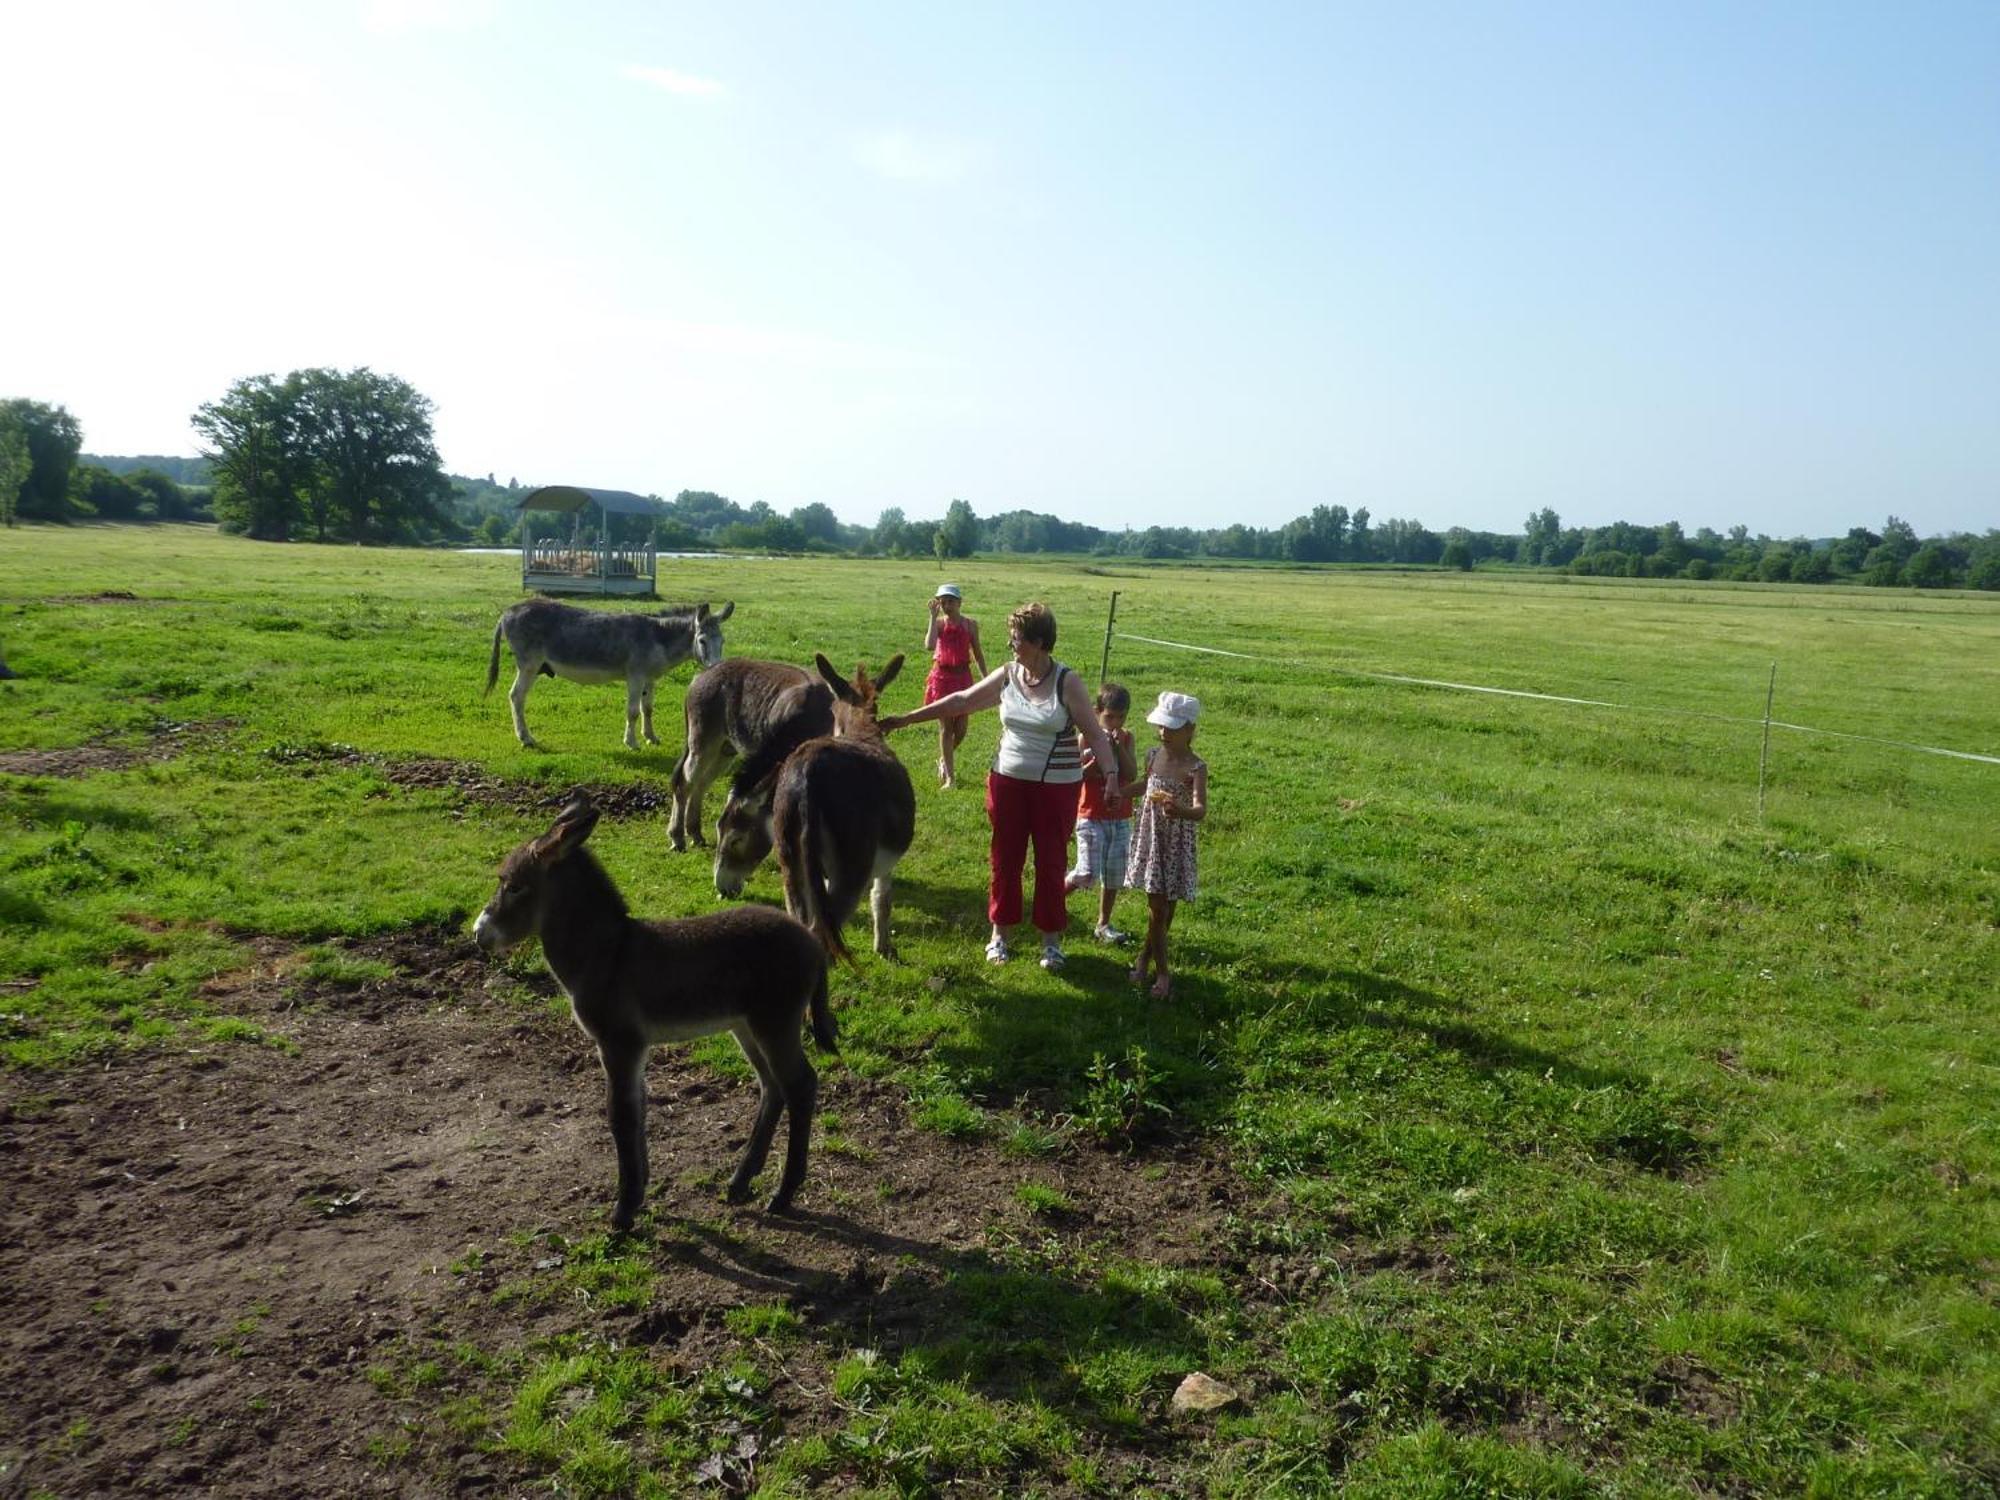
1130, 264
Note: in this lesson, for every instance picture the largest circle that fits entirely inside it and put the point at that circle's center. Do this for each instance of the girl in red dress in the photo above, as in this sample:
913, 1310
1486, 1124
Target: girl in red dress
953, 641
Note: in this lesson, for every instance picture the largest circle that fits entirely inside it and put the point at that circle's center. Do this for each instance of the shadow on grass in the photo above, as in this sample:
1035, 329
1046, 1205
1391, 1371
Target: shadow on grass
37, 808
1035, 1044
1084, 1347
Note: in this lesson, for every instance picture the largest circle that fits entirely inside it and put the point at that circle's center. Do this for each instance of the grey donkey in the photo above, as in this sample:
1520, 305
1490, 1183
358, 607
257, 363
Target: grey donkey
588, 645
749, 970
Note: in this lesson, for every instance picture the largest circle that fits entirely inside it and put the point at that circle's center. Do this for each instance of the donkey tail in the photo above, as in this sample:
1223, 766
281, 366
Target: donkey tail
493, 661
824, 1031
805, 870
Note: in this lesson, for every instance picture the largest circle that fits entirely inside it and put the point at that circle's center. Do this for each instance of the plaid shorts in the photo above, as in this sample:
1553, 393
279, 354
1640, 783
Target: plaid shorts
1102, 847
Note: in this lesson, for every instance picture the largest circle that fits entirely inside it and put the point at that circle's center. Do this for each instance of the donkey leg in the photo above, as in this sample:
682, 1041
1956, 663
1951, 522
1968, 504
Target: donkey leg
878, 908
677, 818
801, 1098
625, 1077
646, 709
517, 696
633, 693
690, 780
769, 1103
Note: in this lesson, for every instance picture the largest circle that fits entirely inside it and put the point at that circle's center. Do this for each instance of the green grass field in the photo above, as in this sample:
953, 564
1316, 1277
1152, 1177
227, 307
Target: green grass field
1668, 1130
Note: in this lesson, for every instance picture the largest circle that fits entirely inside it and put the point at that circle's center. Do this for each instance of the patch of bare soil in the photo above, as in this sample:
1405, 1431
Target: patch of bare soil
205, 1250
108, 596
475, 784
169, 739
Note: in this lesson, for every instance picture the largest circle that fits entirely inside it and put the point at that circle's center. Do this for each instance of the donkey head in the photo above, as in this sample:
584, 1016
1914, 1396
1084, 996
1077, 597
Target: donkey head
517, 909
743, 835
708, 632
854, 703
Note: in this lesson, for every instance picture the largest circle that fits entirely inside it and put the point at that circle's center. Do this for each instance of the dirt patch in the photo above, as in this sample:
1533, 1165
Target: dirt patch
168, 740
210, 1255
476, 784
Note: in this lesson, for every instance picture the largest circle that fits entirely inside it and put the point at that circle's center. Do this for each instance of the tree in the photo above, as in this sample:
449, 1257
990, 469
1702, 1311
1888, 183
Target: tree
160, 498
350, 452
1882, 568
1850, 553
15, 462
1983, 567
1457, 554
1360, 540
1929, 568
1541, 537
97, 491
54, 440
959, 533
367, 443
256, 491
818, 523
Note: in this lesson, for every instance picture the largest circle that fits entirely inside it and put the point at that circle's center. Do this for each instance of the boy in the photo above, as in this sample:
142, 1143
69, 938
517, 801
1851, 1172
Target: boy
1104, 814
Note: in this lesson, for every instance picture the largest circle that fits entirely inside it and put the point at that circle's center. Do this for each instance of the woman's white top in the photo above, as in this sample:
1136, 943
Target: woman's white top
1037, 738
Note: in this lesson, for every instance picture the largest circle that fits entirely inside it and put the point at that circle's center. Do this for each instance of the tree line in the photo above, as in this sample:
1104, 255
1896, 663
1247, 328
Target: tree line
349, 456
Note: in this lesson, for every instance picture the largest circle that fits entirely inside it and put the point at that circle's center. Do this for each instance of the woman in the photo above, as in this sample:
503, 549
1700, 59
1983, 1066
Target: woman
1031, 790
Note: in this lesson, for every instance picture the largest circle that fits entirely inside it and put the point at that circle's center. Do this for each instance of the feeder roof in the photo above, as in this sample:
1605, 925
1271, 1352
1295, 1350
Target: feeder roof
569, 497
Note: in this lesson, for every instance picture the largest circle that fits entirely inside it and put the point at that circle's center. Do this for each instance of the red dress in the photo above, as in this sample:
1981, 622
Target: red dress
951, 665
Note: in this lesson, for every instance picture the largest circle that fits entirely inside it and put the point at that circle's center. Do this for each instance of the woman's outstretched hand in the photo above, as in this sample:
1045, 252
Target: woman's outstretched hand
889, 722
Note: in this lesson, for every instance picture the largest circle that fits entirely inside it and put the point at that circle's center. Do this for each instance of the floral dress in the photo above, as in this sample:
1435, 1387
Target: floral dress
1162, 862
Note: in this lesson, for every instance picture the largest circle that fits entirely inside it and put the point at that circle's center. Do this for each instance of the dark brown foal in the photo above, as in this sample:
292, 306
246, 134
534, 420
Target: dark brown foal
750, 971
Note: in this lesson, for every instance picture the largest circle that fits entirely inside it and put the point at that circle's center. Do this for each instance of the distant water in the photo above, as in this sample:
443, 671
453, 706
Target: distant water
516, 552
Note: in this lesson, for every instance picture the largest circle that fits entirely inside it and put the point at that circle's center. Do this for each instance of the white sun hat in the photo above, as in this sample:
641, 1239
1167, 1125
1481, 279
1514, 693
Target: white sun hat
949, 591
1173, 710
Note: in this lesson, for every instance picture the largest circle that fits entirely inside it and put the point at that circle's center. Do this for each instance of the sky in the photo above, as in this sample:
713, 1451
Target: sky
1128, 264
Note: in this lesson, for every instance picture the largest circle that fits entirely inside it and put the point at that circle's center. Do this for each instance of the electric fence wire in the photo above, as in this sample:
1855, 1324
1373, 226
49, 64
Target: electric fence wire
1640, 708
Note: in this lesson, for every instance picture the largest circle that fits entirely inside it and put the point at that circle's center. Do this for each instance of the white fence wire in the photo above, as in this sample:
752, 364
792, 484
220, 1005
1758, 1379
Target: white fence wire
1473, 687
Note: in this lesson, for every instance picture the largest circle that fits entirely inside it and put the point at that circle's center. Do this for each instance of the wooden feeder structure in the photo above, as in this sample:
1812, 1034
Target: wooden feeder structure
577, 555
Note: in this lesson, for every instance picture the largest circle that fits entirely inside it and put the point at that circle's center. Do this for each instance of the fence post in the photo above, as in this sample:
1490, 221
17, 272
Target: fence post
1104, 665
1764, 756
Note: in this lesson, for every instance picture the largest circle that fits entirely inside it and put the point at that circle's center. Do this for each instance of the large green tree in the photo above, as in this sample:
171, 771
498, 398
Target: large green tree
347, 453
54, 439
372, 466
15, 463
250, 451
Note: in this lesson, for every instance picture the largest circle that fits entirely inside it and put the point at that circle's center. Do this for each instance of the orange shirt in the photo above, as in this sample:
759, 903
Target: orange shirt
1099, 800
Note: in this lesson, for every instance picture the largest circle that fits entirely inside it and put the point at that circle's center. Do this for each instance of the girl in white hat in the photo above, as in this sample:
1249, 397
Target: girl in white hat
1163, 845
953, 641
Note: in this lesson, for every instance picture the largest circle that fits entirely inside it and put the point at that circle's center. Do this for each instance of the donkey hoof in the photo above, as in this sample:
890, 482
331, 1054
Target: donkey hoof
622, 1219
739, 1192
781, 1205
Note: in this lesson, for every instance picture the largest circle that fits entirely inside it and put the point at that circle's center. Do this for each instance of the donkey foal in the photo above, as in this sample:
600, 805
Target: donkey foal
750, 970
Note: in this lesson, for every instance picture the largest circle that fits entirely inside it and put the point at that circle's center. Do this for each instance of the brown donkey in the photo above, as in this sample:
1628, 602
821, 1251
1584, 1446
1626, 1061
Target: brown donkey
750, 971
759, 710
840, 812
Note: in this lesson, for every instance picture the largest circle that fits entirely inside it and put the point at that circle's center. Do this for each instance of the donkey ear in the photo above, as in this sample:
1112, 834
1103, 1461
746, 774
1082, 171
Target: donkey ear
727, 610
889, 671
572, 827
842, 689
701, 610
